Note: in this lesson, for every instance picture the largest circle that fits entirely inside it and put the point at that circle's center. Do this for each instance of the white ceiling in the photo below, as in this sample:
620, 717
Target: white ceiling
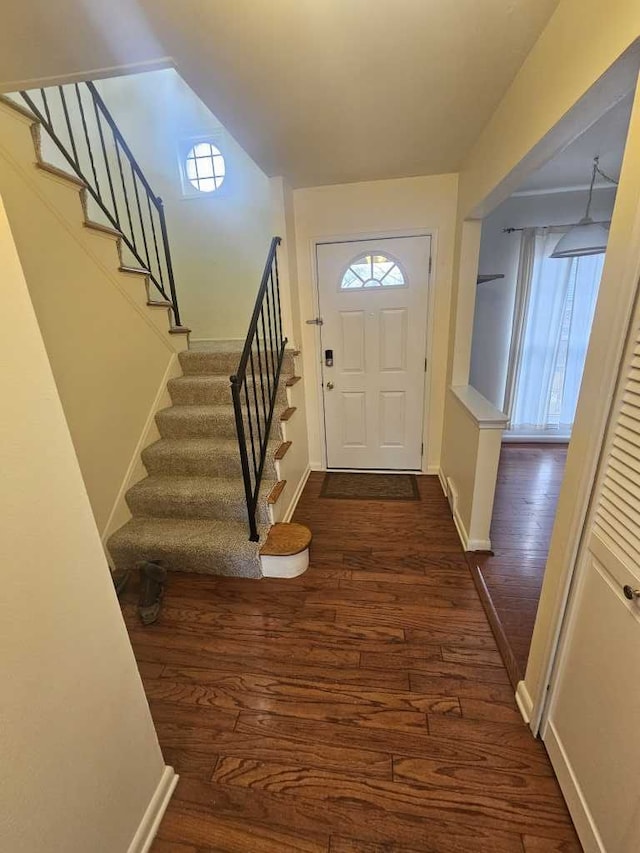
571, 168
320, 91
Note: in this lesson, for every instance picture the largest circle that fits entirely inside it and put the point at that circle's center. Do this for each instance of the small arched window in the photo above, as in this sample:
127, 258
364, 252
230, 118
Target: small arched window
205, 167
372, 271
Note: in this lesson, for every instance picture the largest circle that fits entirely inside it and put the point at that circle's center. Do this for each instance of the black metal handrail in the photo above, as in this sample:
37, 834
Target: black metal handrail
254, 391
77, 119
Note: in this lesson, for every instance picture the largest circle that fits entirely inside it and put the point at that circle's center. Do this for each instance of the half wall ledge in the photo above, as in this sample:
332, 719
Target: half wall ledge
470, 458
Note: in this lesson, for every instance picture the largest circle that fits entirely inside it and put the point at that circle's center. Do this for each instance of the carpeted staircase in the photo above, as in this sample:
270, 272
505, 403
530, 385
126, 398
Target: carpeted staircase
190, 511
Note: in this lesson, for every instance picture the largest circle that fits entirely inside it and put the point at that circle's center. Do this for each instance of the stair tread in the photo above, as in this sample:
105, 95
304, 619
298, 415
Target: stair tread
178, 484
194, 409
104, 229
281, 452
60, 173
182, 483
199, 379
287, 413
204, 497
276, 491
134, 270
200, 445
286, 539
209, 362
291, 381
210, 546
186, 531
23, 110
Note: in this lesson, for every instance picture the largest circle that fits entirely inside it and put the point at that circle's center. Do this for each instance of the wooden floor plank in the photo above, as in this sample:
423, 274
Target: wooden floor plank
314, 817
420, 745
360, 708
496, 804
527, 491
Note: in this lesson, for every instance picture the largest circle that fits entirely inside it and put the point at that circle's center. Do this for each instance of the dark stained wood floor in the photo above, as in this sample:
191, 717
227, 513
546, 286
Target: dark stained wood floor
528, 486
360, 708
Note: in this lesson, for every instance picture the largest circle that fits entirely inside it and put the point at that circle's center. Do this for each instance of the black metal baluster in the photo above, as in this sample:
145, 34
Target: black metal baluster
68, 120
276, 330
155, 241
111, 208
275, 265
167, 259
86, 136
276, 323
271, 342
244, 459
124, 191
253, 448
259, 417
107, 167
144, 235
46, 106
255, 393
264, 403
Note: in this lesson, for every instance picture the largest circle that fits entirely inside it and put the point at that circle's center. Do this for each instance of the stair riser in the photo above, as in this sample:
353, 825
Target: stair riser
193, 426
214, 465
211, 394
207, 427
195, 363
162, 506
210, 562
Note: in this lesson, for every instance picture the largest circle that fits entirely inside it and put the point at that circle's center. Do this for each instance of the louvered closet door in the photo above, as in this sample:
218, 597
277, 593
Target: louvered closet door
595, 711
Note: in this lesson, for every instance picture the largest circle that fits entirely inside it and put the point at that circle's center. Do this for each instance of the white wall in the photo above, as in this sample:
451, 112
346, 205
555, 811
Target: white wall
398, 206
108, 350
573, 53
219, 241
79, 755
499, 253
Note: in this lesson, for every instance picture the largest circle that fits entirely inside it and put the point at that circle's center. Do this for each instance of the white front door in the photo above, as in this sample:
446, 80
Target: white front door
592, 730
373, 303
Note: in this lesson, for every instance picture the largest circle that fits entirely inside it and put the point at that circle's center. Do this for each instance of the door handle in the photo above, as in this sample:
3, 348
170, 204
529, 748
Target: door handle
630, 592
329, 386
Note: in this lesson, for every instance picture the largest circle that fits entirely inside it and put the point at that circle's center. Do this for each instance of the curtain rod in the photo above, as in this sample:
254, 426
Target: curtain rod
604, 222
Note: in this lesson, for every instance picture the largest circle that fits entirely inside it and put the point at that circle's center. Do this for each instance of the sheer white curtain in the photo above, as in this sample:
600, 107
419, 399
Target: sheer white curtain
560, 298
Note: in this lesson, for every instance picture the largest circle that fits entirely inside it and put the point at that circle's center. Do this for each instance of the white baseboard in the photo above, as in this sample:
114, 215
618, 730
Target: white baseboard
524, 702
146, 832
296, 495
120, 514
432, 470
443, 482
468, 544
578, 808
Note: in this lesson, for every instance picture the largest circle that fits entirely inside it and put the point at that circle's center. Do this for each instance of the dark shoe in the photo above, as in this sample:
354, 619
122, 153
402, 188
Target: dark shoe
152, 578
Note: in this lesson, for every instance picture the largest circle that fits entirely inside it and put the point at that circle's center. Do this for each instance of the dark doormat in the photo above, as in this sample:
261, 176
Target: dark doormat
371, 487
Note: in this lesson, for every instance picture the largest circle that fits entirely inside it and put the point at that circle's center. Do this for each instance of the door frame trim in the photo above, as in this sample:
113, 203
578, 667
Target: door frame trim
356, 237
586, 484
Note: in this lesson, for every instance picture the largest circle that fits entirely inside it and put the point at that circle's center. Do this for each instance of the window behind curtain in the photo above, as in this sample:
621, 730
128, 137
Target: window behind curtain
559, 314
